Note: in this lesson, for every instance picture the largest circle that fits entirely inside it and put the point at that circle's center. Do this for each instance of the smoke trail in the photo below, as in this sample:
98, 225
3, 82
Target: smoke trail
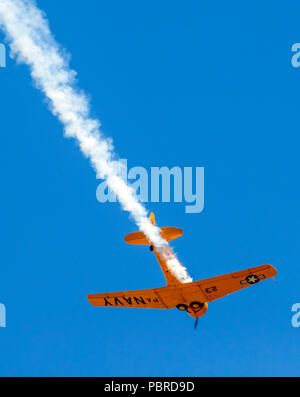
32, 43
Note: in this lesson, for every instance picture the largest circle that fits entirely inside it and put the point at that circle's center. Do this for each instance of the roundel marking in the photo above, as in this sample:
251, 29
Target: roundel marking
252, 279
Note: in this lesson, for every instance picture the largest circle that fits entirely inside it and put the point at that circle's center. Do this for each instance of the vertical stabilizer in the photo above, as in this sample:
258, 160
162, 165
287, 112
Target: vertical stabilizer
152, 218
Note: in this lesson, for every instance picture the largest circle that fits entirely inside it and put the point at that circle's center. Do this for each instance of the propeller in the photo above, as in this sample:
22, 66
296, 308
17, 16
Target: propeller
196, 323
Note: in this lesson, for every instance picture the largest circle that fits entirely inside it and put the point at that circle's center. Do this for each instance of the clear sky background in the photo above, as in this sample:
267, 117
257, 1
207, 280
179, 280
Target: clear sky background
175, 83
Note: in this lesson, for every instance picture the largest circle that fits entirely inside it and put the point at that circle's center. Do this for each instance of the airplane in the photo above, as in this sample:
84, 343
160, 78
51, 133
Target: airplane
191, 297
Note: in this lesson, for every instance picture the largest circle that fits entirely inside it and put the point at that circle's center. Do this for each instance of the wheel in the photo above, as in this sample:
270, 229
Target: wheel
182, 306
196, 305
151, 247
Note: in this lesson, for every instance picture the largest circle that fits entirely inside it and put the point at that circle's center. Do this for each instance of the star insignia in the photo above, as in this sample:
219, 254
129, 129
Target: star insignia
252, 279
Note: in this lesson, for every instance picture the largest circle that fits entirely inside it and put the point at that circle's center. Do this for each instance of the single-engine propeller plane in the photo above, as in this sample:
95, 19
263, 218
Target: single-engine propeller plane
191, 297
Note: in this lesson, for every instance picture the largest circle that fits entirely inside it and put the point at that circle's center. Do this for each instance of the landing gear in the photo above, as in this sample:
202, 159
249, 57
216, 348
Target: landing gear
182, 307
193, 305
196, 305
151, 247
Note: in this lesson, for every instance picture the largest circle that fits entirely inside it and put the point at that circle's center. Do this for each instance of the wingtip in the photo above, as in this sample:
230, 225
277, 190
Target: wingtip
91, 301
273, 269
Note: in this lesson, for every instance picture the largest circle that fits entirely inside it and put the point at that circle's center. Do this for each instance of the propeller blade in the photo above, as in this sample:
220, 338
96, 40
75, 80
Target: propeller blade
196, 323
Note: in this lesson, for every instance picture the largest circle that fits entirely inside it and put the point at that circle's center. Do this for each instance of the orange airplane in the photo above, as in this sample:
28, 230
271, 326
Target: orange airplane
190, 297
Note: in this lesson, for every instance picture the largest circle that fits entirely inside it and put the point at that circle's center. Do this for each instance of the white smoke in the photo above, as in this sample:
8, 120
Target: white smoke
31, 42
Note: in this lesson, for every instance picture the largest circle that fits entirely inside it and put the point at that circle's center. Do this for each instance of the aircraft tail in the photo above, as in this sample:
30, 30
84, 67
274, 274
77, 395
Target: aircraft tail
168, 233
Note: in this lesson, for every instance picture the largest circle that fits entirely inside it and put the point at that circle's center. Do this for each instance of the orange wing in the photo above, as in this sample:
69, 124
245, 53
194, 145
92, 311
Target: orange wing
217, 287
169, 297
146, 298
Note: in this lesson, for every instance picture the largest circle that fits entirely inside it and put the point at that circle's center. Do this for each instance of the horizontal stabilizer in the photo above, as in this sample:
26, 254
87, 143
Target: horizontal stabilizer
168, 233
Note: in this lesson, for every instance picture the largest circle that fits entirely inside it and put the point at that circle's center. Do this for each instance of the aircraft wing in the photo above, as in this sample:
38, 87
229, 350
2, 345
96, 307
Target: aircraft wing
146, 298
157, 298
170, 296
217, 287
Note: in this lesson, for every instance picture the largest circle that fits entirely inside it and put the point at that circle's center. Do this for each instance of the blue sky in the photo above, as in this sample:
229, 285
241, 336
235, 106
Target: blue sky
175, 84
